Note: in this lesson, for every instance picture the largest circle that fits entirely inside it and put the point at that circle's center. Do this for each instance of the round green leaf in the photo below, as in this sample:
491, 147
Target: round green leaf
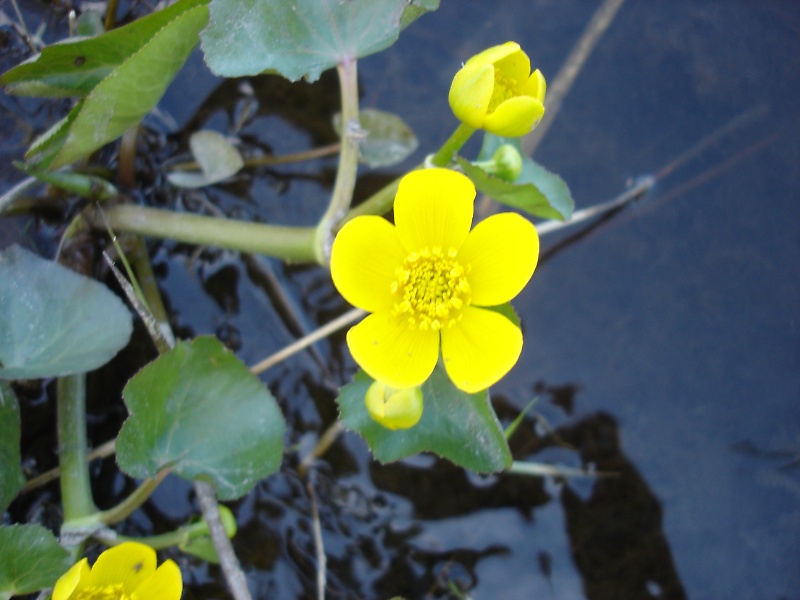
30, 559
54, 321
11, 476
388, 139
200, 411
455, 425
299, 38
217, 157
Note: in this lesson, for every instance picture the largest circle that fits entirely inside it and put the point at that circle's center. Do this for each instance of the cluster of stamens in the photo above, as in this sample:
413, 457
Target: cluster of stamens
108, 592
431, 289
504, 88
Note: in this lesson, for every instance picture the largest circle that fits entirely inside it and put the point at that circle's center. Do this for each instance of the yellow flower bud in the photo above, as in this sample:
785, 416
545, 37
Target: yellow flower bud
496, 91
394, 409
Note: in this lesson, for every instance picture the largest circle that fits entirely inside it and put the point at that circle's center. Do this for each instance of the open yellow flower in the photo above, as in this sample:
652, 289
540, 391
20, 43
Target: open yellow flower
426, 279
124, 572
496, 91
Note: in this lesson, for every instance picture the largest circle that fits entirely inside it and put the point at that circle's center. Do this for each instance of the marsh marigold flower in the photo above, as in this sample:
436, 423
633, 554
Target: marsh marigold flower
124, 572
496, 91
428, 280
394, 409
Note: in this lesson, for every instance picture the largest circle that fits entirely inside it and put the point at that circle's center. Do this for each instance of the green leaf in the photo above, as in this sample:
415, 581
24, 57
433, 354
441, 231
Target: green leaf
200, 411
30, 559
415, 9
298, 38
75, 67
11, 476
54, 321
388, 139
455, 425
217, 157
91, 187
537, 191
126, 93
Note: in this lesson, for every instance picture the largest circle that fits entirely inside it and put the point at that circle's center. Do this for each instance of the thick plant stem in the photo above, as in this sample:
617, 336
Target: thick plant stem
454, 143
288, 243
76, 491
348, 161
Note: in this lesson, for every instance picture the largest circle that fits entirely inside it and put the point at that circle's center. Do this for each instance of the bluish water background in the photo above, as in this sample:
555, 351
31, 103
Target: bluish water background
669, 335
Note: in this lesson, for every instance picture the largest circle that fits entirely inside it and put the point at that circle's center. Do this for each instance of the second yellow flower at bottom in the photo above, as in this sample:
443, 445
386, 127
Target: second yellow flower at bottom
427, 281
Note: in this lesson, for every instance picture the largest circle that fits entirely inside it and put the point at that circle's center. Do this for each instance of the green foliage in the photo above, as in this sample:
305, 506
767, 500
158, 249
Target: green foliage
455, 425
537, 191
128, 71
217, 158
11, 476
199, 411
54, 321
30, 559
388, 140
300, 38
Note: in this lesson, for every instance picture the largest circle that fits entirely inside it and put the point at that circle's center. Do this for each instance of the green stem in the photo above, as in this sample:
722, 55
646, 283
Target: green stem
454, 143
345, 183
288, 243
138, 497
76, 491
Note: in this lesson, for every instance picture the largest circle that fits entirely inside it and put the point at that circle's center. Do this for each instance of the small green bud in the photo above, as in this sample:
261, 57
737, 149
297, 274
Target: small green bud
508, 163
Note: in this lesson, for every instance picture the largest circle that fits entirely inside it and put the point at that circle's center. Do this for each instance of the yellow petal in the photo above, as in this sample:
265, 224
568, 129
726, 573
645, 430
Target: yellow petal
130, 564
494, 54
394, 409
515, 117
165, 584
471, 92
502, 252
364, 257
480, 349
516, 67
390, 352
71, 580
433, 207
536, 86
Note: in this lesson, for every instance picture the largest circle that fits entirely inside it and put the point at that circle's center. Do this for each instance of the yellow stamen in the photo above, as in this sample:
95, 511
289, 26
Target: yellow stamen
431, 289
505, 87
107, 592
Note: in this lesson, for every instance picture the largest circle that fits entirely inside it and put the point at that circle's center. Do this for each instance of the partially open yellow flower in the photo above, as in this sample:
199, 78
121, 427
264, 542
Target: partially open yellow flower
496, 91
426, 278
124, 572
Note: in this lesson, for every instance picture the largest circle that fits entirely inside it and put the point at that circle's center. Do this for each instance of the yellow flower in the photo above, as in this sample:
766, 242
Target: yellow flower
394, 409
496, 91
124, 572
426, 278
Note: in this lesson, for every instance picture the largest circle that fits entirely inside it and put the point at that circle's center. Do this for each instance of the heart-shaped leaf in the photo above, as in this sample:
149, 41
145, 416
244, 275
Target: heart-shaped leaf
200, 411
30, 559
388, 139
54, 321
11, 476
300, 38
455, 425
217, 157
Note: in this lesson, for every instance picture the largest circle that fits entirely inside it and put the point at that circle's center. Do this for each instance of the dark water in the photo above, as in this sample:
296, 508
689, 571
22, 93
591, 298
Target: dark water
664, 342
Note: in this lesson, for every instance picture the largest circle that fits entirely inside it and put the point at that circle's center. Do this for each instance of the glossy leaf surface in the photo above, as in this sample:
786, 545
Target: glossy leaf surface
11, 476
30, 559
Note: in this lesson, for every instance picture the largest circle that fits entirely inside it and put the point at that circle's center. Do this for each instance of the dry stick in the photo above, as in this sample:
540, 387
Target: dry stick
556, 93
324, 331
318, 545
227, 558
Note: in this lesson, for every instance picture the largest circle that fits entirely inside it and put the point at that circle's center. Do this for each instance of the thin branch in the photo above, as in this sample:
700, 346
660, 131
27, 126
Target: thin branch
231, 568
318, 544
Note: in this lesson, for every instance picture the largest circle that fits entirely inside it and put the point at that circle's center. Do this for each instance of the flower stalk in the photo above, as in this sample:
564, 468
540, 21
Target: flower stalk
348, 162
453, 144
76, 491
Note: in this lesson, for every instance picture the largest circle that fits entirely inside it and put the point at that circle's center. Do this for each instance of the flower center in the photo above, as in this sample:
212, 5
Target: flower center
431, 289
106, 592
505, 87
